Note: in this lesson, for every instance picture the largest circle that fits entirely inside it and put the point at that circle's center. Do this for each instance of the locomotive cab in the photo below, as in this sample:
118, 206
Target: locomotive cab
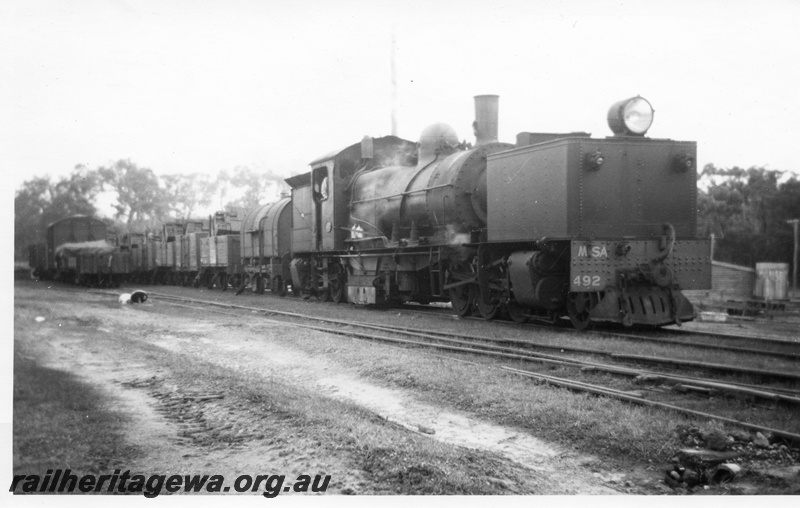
321, 212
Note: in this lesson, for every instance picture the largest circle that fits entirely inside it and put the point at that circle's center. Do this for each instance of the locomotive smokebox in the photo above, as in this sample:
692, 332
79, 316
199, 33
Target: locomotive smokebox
486, 116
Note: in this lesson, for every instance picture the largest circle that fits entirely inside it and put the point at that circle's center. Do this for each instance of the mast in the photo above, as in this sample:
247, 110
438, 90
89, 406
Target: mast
394, 87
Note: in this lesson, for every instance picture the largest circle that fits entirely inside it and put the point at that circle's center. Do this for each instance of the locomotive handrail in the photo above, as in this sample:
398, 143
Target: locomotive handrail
302, 215
366, 239
411, 182
403, 193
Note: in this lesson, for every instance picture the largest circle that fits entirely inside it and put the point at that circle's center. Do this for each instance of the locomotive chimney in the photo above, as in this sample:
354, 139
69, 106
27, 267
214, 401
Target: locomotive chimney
486, 113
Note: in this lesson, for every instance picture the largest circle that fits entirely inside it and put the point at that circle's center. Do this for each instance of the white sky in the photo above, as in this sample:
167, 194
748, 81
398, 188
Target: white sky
201, 85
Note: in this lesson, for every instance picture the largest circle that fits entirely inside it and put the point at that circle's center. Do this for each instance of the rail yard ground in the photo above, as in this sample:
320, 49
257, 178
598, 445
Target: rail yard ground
164, 388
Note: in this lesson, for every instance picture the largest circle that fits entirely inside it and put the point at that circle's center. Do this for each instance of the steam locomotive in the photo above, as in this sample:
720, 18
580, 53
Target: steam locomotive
556, 224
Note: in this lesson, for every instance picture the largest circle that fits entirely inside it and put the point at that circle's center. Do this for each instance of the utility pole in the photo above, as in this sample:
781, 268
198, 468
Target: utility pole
713, 242
394, 86
794, 223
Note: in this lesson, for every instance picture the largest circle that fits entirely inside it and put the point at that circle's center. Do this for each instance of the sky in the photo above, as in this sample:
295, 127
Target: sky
201, 85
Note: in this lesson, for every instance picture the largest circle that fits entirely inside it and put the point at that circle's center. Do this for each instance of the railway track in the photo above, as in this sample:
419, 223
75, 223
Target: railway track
493, 348
755, 345
732, 337
789, 352
760, 346
580, 369
763, 347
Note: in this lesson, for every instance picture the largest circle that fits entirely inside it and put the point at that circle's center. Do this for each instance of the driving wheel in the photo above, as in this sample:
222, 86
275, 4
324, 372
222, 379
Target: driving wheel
461, 297
278, 286
578, 307
488, 311
337, 283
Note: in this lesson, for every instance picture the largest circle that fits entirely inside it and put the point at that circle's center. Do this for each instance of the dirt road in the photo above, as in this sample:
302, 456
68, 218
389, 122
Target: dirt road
207, 393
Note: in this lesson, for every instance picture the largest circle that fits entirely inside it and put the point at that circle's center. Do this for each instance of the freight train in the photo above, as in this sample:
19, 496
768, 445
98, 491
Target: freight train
553, 225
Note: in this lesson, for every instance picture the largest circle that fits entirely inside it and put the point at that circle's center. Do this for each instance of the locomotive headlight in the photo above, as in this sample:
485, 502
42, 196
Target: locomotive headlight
631, 117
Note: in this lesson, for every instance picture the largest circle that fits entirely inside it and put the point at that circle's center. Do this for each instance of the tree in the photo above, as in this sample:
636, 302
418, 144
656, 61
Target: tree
252, 186
190, 192
30, 203
41, 202
140, 196
76, 194
747, 210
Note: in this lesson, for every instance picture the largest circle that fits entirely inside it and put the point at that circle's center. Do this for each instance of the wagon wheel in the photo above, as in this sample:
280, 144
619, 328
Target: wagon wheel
337, 283
279, 286
243, 285
461, 298
324, 294
578, 307
516, 312
488, 311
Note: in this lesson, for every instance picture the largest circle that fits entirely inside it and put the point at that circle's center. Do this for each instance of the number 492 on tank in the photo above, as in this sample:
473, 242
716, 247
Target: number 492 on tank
586, 281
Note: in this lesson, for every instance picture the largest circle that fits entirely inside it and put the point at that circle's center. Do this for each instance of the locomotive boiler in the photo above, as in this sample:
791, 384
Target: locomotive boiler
442, 198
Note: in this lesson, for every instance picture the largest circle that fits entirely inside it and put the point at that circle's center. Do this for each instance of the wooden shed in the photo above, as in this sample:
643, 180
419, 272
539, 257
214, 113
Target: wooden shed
732, 281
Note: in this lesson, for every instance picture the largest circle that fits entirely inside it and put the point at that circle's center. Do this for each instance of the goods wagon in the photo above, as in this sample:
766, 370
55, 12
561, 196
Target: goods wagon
266, 247
77, 249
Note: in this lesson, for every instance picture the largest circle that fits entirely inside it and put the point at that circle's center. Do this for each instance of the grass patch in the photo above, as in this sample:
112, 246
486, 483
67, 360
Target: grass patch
61, 422
398, 461
607, 427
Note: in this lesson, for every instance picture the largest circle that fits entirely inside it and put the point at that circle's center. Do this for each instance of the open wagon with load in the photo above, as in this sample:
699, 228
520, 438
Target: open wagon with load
220, 252
77, 250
